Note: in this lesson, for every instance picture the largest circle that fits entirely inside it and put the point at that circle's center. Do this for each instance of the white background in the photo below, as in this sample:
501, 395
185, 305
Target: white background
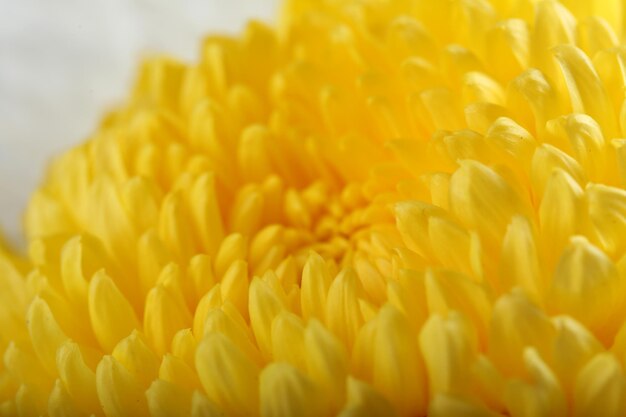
64, 62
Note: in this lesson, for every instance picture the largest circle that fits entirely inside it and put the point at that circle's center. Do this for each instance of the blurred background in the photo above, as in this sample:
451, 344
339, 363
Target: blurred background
63, 63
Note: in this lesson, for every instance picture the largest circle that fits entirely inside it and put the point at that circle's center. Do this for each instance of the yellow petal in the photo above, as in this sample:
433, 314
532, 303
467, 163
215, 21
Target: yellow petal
489, 384
533, 100
165, 314
448, 345
45, 333
447, 291
60, 404
508, 40
542, 395
206, 213
412, 222
600, 388
46, 216
202, 407
24, 367
168, 400
586, 285
586, 142
247, 211
200, 271
264, 307
264, 241
607, 206
344, 317
252, 155
184, 346
479, 87
574, 346
78, 379
327, 362
211, 300
176, 371
219, 321
515, 324
229, 378
233, 248
119, 391
586, 91
288, 340
141, 199
546, 159
554, 25
234, 286
112, 317
81, 257
398, 370
134, 354
561, 214
519, 262
408, 295
595, 34
110, 221
175, 232
480, 116
430, 108
446, 405
30, 401
362, 363
365, 401
483, 200
408, 36
371, 279
285, 391
509, 136
12, 286
153, 256
454, 247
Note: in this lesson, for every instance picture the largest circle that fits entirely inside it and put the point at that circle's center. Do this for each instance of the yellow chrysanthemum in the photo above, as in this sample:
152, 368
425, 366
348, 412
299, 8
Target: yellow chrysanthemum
377, 208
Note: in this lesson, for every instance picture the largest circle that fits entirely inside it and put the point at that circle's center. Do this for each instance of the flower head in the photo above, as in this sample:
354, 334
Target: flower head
375, 208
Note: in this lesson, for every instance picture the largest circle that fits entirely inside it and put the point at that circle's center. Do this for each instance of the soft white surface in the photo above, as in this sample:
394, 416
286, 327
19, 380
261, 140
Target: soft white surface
64, 62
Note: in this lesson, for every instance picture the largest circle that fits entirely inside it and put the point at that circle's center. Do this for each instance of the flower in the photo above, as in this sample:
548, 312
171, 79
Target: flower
375, 208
